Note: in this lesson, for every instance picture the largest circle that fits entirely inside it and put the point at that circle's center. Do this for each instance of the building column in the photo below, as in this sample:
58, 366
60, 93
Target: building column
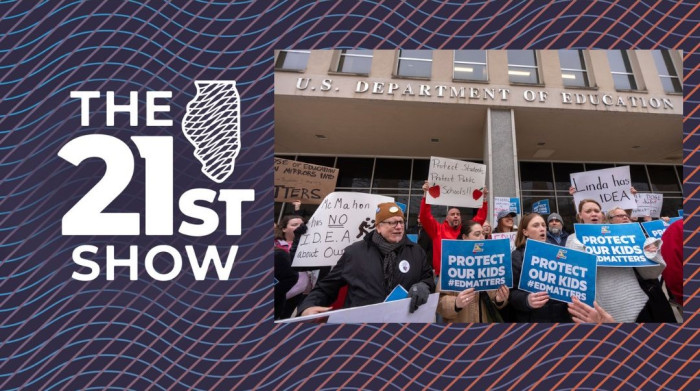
500, 156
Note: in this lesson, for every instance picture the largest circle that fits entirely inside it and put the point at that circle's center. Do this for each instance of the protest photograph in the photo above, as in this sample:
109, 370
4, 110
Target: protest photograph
532, 185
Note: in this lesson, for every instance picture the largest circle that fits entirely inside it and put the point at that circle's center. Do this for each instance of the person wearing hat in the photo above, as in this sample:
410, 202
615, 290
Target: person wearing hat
504, 221
372, 267
555, 230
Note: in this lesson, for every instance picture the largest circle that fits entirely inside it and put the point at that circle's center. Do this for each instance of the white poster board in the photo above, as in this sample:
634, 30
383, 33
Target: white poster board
648, 204
388, 312
506, 235
455, 183
610, 187
342, 219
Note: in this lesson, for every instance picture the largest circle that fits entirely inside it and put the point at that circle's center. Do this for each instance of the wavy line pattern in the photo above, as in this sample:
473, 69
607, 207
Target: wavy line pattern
59, 333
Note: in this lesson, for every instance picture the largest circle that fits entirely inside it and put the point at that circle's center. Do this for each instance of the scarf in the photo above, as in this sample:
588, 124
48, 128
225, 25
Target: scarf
390, 254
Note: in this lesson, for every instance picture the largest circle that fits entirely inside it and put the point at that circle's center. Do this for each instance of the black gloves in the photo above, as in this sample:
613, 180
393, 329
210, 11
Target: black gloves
301, 229
418, 293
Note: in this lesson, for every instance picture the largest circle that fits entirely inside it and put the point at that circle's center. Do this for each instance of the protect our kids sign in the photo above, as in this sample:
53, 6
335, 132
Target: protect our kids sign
656, 228
615, 245
561, 272
479, 264
541, 207
455, 183
610, 187
342, 219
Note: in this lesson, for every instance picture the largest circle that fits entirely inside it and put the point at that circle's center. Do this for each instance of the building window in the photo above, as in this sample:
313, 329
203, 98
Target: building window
573, 68
536, 176
355, 173
415, 63
355, 61
621, 70
522, 67
667, 72
392, 173
664, 180
292, 60
470, 65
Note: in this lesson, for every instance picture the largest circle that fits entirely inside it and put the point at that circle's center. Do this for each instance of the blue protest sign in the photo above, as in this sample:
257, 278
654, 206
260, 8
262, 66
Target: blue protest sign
479, 264
402, 206
412, 237
515, 205
398, 293
561, 272
541, 207
680, 212
656, 228
616, 245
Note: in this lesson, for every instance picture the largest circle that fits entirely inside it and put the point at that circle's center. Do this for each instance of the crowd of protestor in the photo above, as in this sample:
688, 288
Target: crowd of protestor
370, 269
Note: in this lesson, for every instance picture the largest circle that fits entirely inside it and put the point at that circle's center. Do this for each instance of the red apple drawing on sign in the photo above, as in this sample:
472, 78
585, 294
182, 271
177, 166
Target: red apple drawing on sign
434, 191
477, 193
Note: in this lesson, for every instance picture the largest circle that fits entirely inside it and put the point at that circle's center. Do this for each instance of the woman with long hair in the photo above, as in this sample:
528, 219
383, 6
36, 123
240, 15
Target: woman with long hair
527, 306
469, 306
504, 222
284, 232
487, 229
291, 283
618, 290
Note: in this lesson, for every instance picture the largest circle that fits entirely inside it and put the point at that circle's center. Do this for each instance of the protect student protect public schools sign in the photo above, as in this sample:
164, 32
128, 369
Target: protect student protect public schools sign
615, 245
479, 264
561, 272
455, 183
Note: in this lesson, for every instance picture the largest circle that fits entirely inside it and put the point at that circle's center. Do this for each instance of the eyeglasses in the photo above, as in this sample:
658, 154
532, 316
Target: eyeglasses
620, 216
393, 224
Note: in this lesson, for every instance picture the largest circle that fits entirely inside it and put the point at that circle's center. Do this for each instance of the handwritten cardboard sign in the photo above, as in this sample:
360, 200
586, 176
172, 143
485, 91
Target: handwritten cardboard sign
656, 228
541, 207
455, 183
648, 204
309, 183
561, 272
615, 245
479, 264
610, 187
342, 218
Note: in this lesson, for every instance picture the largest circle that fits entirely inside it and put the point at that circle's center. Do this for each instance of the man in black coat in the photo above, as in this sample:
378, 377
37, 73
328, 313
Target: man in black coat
374, 266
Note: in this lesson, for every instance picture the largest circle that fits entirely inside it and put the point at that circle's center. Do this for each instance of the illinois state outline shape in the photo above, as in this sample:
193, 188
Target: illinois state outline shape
212, 125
